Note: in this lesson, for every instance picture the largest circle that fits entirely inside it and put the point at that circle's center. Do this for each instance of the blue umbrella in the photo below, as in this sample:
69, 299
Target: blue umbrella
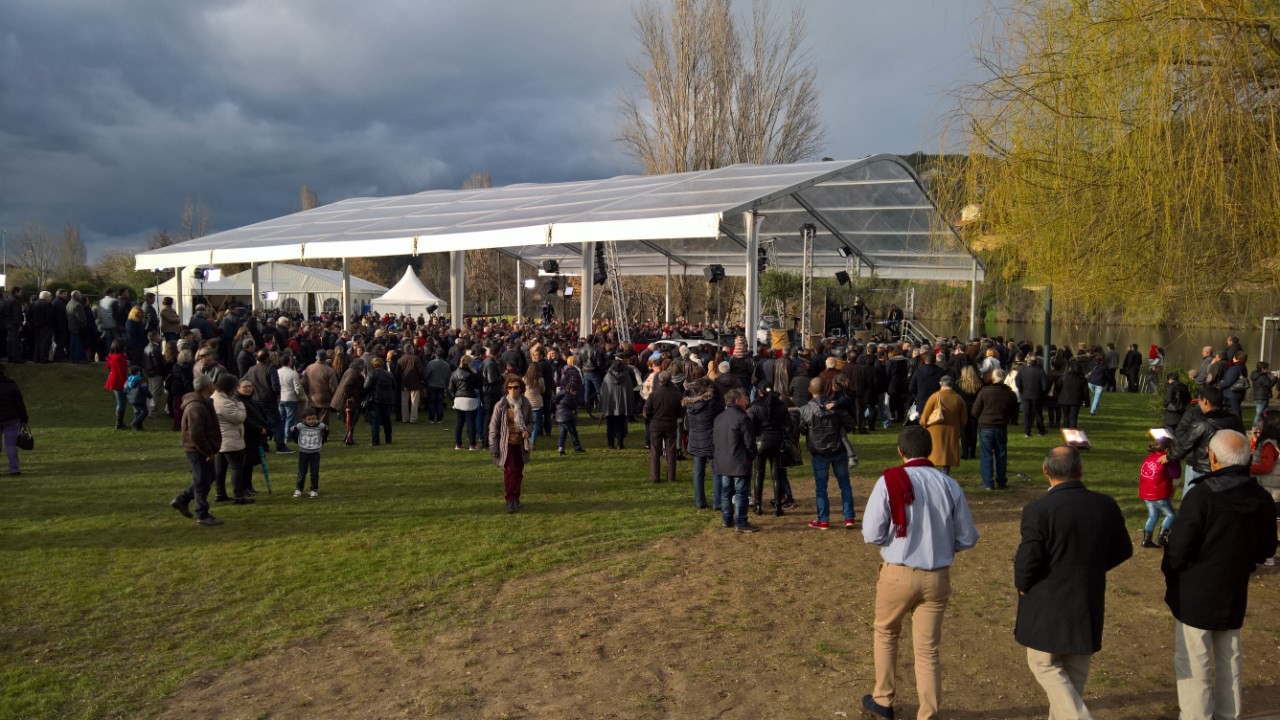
266, 474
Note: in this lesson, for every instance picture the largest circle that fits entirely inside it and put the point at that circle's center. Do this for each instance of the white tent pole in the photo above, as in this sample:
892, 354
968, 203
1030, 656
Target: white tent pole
346, 295
585, 302
973, 302
519, 293
183, 305
751, 307
457, 287
666, 315
255, 302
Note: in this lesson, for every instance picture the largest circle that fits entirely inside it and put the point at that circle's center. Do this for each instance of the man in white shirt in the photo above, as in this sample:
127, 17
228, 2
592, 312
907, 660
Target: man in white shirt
290, 391
920, 519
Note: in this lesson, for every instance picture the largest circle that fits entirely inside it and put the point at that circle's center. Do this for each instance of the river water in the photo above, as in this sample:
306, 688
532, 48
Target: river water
1181, 345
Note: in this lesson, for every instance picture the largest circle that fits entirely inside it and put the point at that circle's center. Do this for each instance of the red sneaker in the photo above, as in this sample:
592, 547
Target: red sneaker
850, 524
820, 524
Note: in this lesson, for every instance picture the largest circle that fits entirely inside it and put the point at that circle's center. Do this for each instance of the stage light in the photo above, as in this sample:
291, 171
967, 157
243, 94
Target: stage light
270, 296
207, 274
844, 252
431, 309
530, 283
713, 273
568, 291
550, 267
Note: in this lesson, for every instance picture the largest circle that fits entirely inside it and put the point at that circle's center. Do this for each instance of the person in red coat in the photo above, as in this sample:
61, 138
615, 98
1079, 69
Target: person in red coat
117, 374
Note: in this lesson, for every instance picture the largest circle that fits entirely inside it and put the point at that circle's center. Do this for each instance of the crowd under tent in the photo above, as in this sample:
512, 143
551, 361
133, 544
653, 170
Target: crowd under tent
869, 218
409, 297
289, 288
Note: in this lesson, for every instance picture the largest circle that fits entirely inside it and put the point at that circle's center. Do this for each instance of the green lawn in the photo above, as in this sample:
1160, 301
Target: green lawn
110, 599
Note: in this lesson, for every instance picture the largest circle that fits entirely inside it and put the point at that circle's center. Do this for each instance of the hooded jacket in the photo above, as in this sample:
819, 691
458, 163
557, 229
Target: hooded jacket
201, 432
701, 406
616, 392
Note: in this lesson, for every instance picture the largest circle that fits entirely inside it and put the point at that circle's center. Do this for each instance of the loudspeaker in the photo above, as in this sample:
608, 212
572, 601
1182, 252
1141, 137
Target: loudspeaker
550, 267
842, 277
551, 288
713, 273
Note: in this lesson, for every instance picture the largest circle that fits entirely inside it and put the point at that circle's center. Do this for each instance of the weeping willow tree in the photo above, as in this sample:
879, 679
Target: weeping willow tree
1126, 152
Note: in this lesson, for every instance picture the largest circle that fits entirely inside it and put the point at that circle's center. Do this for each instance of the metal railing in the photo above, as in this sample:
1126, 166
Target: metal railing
916, 332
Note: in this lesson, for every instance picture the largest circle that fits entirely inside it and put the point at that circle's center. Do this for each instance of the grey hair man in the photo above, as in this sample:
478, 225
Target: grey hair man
1222, 531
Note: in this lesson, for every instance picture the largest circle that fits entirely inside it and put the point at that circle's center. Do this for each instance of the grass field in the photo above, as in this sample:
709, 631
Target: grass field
110, 599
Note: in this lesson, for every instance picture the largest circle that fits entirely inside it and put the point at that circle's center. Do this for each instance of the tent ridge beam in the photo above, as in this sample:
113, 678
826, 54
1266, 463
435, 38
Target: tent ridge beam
822, 220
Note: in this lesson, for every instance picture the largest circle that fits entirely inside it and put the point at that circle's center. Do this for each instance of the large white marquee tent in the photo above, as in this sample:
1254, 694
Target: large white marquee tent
873, 217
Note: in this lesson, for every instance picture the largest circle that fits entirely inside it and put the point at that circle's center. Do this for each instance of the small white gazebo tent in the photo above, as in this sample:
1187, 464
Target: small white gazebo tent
409, 297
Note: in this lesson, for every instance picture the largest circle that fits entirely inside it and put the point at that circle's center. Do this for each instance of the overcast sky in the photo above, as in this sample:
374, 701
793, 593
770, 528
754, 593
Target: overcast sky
112, 112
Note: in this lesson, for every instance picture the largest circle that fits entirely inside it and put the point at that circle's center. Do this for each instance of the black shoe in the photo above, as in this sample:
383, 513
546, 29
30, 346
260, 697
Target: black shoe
561, 451
181, 507
726, 525
578, 449
875, 709
511, 507
748, 528
283, 450
223, 498
243, 501
208, 520
251, 493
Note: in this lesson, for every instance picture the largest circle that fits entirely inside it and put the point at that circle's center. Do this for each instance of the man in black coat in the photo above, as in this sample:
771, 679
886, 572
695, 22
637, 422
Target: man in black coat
40, 320
663, 410
61, 328
924, 381
1131, 367
735, 451
1071, 537
1033, 383
1195, 430
1222, 531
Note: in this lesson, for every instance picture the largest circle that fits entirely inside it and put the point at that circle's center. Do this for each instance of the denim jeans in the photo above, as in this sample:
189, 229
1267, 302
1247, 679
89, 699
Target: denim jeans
994, 447
1188, 474
120, 401
1259, 408
537, 425
380, 418
733, 494
567, 428
717, 482
700, 465
308, 462
464, 418
823, 467
477, 421
201, 480
10, 432
1154, 509
76, 352
435, 404
1095, 394
288, 416
591, 384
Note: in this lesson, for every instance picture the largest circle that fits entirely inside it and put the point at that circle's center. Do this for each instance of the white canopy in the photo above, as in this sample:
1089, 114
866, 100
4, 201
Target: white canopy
875, 208
409, 297
297, 288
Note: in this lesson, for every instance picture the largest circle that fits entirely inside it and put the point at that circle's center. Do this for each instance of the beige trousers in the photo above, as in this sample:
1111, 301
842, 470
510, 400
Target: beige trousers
1205, 693
409, 405
922, 594
1063, 678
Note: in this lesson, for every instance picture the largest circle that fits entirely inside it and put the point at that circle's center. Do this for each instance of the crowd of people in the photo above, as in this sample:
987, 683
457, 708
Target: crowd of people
239, 385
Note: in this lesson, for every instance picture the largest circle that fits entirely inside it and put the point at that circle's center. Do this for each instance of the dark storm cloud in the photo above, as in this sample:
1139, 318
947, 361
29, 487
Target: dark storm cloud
112, 113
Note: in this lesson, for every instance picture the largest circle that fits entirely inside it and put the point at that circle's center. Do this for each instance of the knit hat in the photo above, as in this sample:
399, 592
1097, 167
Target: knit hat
740, 347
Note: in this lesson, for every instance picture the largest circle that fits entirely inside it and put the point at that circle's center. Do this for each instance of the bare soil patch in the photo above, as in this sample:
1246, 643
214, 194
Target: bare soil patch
721, 625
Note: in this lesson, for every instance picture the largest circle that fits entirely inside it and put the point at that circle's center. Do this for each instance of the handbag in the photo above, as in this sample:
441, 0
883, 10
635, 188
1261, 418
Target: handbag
936, 417
1241, 384
26, 441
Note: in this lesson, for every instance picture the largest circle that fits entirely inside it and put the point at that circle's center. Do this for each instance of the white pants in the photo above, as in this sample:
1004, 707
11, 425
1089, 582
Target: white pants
1063, 678
1204, 693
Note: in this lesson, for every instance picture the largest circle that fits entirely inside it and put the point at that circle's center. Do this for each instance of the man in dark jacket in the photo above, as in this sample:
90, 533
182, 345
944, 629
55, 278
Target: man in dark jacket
40, 320
1176, 400
994, 408
266, 396
1131, 367
1032, 384
701, 406
663, 410
11, 319
1071, 538
1222, 531
824, 423
410, 370
201, 439
1195, 430
735, 450
924, 381
491, 390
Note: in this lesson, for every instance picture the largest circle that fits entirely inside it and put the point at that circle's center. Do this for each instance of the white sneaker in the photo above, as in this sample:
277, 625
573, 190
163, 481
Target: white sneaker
315, 494
297, 493
1269, 562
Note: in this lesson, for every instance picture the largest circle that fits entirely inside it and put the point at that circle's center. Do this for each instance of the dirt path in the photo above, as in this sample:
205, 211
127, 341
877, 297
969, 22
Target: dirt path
771, 625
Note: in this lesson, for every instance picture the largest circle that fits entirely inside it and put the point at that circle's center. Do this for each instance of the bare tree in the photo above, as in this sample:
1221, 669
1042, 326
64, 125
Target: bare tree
478, 181
712, 98
160, 238
72, 257
194, 220
308, 198
38, 253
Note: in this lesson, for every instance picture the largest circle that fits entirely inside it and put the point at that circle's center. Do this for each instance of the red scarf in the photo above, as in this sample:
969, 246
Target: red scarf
901, 494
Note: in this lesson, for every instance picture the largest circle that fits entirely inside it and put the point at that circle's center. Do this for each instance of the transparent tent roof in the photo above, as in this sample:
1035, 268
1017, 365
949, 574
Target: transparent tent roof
875, 207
